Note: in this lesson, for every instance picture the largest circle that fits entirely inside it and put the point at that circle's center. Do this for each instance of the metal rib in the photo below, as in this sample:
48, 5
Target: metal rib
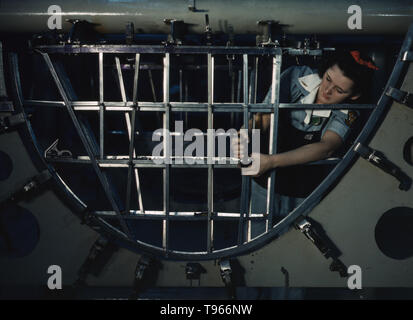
275, 88
130, 124
101, 108
102, 178
211, 152
166, 170
246, 180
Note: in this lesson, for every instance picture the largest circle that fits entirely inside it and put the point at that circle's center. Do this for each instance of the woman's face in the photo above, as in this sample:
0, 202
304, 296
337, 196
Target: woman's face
335, 87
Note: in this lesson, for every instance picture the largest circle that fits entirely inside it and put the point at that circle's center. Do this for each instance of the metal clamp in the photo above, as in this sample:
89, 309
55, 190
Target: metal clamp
226, 275
99, 255
27, 187
307, 229
146, 274
208, 31
52, 152
193, 271
191, 5
7, 122
402, 97
129, 33
324, 244
265, 39
178, 29
82, 31
379, 160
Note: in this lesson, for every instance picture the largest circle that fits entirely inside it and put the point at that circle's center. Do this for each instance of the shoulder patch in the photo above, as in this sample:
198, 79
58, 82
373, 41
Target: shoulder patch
351, 117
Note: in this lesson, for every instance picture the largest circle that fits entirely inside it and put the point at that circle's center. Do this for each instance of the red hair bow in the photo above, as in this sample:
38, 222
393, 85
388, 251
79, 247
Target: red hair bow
356, 56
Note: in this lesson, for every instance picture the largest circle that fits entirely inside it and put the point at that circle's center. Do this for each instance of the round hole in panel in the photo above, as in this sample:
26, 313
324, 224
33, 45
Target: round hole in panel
394, 233
408, 151
19, 231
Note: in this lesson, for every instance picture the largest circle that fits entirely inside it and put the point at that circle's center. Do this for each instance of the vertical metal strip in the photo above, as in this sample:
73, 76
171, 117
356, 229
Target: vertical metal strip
130, 124
232, 75
181, 91
252, 99
132, 153
154, 94
101, 109
211, 152
120, 77
246, 180
186, 100
102, 178
130, 168
254, 96
275, 90
166, 170
135, 110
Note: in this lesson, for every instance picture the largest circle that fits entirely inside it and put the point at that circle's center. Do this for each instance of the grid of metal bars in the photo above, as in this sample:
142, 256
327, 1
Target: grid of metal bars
131, 108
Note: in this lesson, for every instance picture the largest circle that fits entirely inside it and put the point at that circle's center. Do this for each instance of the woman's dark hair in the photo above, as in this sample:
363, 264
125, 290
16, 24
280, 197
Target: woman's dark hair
359, 73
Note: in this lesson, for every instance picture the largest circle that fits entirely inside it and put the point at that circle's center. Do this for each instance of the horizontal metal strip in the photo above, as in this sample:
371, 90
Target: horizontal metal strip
148, 162
160, 215
158, 49
193, 106
141, 163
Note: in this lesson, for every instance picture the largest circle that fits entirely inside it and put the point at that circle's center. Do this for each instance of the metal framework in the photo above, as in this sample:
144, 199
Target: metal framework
131, 109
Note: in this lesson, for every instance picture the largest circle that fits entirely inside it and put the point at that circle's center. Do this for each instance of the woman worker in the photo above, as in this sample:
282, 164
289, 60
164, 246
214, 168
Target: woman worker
307, 135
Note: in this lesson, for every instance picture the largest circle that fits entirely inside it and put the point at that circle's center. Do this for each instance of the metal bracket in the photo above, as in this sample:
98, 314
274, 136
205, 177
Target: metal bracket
408, 56
99, 255
322, 243
81, 31
191, 5
208, 31
146, 274
130, 33
27, 187
193, 271
177, 31
230, 58
52, 152
379, 160
226, 275
265, 39
7, 122
402, 97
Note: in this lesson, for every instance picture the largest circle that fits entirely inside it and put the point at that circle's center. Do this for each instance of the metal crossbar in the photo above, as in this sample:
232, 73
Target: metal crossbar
193, 106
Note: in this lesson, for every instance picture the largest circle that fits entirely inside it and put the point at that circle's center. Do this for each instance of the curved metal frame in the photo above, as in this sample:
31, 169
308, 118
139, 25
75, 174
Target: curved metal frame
304, 209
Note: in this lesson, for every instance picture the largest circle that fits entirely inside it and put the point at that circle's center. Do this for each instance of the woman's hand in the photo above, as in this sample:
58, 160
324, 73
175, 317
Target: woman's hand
261, 163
